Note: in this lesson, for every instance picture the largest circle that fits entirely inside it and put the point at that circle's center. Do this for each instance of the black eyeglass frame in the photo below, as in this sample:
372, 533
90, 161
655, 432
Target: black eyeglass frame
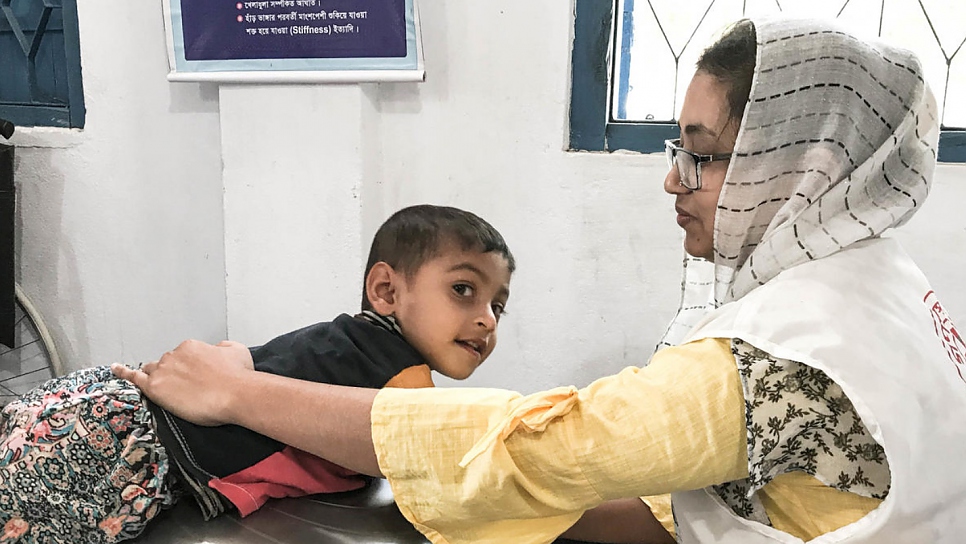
673, 147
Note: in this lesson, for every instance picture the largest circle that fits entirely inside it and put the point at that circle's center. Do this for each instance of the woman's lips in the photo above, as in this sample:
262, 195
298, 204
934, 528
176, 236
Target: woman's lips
683, 217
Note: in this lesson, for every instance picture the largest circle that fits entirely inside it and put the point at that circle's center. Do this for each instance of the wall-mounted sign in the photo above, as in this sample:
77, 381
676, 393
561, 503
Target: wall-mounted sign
293, 40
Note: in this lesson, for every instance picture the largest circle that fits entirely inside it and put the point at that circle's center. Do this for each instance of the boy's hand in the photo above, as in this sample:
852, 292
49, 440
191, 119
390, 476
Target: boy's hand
196, 381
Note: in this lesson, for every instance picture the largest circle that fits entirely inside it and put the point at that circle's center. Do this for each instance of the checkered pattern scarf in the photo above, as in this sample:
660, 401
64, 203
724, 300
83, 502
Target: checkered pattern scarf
837, 144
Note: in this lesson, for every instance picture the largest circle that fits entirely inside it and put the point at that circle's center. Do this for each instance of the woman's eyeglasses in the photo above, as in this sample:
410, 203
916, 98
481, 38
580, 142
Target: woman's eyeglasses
688, 163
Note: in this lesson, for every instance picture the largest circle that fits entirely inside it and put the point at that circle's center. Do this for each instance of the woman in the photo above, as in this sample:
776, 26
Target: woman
811, 381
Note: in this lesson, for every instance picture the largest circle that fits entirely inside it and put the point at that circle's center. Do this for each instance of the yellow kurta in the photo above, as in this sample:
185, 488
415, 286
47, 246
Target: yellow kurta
485, 465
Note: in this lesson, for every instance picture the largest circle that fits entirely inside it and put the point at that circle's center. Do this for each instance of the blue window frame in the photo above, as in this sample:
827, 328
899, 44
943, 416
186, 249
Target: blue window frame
40, 71
593, 125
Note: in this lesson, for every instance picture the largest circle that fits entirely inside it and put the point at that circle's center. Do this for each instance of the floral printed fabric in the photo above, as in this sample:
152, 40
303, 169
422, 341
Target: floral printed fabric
798, 419
80, 462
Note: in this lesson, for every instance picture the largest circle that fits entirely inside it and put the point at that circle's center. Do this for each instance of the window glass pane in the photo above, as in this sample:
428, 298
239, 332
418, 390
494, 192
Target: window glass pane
660, 40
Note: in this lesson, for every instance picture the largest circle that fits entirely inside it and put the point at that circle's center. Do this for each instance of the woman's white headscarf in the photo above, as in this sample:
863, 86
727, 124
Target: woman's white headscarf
836, 145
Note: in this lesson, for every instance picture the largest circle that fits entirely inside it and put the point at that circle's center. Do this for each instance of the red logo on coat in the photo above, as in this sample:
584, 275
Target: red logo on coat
951, 339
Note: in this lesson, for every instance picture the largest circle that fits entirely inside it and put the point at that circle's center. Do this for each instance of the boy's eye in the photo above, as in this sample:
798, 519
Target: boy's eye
499, 310
463, 290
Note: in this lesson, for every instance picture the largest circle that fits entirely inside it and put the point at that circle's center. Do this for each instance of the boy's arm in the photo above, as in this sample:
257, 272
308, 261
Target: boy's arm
216, 385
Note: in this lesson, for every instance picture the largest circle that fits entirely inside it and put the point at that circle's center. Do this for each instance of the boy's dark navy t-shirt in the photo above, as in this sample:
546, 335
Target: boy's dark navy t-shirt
350, 351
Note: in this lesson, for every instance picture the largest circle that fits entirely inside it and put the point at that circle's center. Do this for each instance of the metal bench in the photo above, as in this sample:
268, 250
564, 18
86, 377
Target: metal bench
367, 516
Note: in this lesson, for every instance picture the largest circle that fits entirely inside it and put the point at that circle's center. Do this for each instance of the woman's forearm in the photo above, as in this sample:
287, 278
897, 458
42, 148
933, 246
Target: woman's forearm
332, 422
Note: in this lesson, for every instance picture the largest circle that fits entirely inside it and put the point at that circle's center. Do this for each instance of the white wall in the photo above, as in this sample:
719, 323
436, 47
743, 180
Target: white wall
310, 173
293, 206
120, 225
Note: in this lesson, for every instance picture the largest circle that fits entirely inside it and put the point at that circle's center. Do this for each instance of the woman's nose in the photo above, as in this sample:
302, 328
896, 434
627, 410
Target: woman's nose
672, 182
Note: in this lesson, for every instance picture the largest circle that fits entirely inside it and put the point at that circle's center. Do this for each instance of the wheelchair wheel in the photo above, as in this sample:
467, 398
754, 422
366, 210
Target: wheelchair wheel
32, 359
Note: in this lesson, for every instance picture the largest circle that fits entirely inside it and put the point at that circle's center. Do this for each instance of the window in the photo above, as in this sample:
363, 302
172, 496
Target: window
40, 73
632, 60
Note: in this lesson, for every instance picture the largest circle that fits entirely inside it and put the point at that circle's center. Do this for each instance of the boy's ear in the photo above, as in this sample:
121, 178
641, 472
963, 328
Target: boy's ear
381, 288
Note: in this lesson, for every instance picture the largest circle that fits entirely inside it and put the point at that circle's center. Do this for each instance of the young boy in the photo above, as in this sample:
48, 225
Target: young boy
86, 457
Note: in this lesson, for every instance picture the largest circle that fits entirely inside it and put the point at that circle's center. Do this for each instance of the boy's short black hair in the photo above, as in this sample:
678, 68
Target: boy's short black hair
416, 234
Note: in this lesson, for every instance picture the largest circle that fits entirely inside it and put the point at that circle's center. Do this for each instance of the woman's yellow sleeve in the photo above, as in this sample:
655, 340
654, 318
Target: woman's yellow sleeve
489, 466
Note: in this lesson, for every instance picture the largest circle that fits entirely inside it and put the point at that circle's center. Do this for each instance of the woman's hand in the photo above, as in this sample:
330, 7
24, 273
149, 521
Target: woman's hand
195, 381
216, 385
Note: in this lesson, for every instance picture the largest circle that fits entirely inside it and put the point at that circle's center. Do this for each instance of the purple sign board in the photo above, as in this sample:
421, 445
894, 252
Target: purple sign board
291, 35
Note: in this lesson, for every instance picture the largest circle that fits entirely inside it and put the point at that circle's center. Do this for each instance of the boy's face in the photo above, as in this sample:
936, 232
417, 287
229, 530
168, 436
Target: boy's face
449, 309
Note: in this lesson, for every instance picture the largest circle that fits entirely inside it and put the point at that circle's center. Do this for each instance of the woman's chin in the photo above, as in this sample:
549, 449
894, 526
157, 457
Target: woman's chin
699, 250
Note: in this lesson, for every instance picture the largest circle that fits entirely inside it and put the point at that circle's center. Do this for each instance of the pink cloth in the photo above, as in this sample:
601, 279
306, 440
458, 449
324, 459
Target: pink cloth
288, 473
